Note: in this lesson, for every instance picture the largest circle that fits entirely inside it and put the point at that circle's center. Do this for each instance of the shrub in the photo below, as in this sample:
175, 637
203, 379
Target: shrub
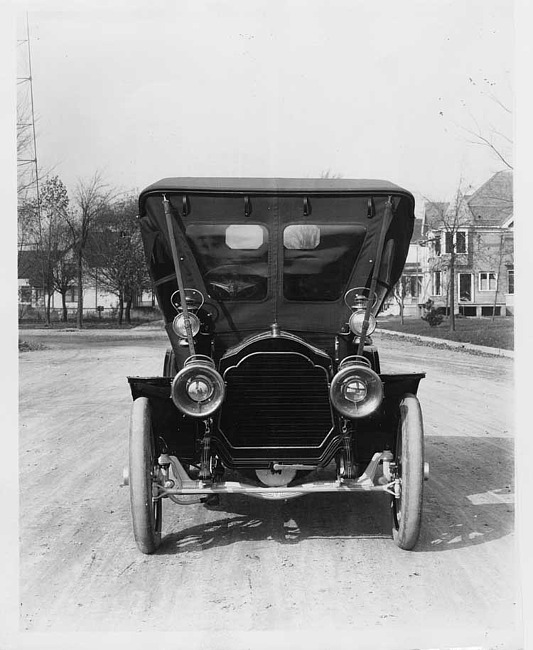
432, 316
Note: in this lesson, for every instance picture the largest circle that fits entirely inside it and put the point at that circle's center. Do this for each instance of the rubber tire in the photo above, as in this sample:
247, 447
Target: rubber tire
169, 364
146, 515
407, 510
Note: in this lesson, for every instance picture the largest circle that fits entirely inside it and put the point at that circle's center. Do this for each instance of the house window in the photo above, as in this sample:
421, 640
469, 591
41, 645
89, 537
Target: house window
39, 296
414, 285
458, 238
25, 294
448, 242
72, 294
436, 283
465, 287
510, 280
460, 242
487, 281
436, 245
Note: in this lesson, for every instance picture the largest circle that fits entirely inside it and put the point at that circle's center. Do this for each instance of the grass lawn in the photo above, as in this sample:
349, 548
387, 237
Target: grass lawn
479, 331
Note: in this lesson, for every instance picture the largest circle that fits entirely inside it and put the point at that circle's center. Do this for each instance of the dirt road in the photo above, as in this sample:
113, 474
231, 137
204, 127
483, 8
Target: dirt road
322, 565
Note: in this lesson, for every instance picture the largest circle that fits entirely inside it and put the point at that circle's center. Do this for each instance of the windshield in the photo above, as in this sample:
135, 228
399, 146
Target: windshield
318, 260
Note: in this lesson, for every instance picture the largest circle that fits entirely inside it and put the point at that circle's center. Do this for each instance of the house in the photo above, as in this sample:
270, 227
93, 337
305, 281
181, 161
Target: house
32, 295
474, 233
30, 283
413, 284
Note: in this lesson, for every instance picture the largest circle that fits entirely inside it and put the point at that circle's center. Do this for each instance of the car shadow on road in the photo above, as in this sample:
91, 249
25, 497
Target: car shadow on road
468, 501
239, 518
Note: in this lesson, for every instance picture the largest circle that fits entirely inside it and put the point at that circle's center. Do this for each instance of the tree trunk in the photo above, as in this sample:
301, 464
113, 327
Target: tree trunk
452, 291
500, 258
401, 312
64, 313
128, 310
120, 308
48, 320
79, 316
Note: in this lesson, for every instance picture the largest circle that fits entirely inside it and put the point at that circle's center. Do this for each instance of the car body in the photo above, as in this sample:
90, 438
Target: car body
269, 290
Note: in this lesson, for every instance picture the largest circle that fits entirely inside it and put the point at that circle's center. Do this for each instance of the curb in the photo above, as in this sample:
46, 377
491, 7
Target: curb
467, 347
134, 332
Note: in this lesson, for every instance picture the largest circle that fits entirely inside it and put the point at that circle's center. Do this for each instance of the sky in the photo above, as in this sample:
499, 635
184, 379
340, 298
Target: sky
140, 91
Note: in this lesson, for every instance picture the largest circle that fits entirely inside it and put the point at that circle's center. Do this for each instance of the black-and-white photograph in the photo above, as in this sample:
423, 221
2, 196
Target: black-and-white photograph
265, 267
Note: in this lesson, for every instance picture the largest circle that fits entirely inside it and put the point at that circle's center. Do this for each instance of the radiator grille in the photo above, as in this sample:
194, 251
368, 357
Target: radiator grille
276, 400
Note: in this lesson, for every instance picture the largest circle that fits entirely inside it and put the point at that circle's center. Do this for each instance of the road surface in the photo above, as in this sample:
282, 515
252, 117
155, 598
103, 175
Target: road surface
321, 568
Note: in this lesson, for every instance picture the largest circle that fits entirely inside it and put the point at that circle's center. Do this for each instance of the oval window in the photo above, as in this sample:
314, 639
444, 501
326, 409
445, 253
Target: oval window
301, 237
244, 237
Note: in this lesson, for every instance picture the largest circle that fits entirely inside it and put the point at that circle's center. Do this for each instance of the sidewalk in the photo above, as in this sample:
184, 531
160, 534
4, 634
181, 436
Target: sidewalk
428, 340
140, 331
156, 328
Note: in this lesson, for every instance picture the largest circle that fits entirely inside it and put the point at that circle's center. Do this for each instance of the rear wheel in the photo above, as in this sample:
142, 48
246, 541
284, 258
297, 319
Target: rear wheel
147, 512
407, 505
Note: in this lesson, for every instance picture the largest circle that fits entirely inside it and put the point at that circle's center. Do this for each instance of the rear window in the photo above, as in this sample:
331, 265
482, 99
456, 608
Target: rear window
318, 260
233, 259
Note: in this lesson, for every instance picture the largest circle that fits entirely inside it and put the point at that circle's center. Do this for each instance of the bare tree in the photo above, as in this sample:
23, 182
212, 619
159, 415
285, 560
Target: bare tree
496, 249
54, 203
64, 269
501, 251
490, 140
117, 255
497, 141
40, 221
449, 224
91, 200
399, 292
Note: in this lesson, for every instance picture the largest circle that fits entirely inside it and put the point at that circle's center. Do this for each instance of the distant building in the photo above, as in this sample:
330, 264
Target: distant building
414, 278
480, 229
32, 297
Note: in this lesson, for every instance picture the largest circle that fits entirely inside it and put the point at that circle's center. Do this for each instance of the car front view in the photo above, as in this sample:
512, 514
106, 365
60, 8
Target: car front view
270, 289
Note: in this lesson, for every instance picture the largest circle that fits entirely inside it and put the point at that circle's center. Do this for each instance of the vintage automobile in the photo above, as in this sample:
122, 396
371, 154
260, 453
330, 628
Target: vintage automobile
269, 289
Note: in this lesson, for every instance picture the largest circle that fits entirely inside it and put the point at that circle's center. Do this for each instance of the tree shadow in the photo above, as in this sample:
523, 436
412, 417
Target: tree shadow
468, 501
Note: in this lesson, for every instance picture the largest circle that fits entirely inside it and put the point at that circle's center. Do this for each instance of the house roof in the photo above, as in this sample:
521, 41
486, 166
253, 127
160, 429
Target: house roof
417, 230
492, 203
433, 214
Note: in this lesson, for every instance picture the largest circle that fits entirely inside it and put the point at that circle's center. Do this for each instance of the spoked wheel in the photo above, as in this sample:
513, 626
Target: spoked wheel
407, 506
147, 512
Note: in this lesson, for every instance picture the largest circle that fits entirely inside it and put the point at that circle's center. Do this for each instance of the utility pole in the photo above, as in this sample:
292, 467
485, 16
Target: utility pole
27, 146
28, 154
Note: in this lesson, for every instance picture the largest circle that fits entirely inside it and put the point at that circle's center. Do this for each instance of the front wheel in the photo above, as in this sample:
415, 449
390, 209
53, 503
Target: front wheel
147, 512
406, 506
169, 364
